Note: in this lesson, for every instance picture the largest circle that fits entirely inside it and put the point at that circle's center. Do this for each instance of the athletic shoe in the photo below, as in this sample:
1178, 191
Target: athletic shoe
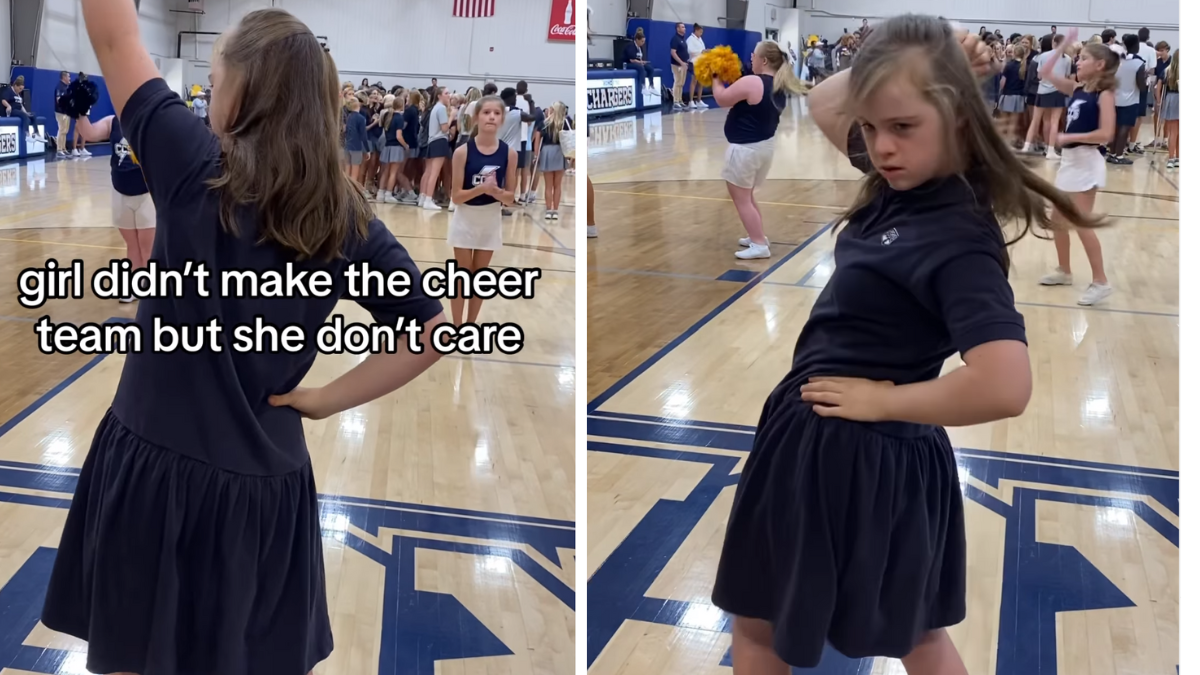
430, 205
1119, 159
75, 154
61, 155
506, 212
1094, 294
410, 199
531, 197
1137, 149
677, 107
745, 241
85, 152
548, 215
754, 251
390, 198
1056, 278
1052, 154
554, 214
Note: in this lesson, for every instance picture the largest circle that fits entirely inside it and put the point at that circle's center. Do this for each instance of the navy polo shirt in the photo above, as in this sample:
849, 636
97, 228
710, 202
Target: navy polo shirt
59, 92
212, 405
919, 277
679, 46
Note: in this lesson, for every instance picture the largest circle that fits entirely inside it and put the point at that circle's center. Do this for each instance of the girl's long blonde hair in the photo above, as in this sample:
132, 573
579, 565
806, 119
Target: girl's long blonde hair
468, 119
1021, 54
556, 118
1173, 71
777, 60
417, 98
924, 50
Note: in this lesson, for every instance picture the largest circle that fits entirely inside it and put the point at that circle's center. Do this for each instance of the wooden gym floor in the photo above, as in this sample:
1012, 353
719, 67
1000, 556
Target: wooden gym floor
1072, 509
448, 507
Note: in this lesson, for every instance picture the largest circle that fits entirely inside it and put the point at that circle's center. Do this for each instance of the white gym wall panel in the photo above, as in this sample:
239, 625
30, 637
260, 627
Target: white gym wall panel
63, 43
830, 17
407, 42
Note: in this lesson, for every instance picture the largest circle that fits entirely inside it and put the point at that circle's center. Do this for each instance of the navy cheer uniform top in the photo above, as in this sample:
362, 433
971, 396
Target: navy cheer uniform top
1013, 84
376, 131
127, 176
748, 123
478, 167
1083, 115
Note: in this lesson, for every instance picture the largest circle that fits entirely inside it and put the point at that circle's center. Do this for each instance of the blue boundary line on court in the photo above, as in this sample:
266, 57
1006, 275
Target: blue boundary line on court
673, 344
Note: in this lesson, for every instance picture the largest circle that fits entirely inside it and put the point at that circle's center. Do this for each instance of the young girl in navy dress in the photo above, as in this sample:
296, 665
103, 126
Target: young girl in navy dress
755, 104
193, 542
847, 525
485, 177
133, 211
1091, 124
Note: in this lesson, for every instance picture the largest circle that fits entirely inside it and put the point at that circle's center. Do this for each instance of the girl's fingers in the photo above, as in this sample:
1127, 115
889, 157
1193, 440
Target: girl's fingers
830, 398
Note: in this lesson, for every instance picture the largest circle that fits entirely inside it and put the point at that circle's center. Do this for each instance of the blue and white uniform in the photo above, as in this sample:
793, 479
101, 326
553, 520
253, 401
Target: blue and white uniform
132, 207
477, 223
1083, 167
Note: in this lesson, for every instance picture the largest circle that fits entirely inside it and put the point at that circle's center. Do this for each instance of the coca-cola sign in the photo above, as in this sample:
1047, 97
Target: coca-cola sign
562, 21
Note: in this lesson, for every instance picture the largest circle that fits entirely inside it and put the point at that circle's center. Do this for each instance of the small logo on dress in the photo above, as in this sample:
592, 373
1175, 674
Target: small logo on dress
890, 236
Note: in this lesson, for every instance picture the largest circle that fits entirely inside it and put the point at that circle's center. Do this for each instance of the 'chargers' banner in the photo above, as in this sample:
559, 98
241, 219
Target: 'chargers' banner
610, 95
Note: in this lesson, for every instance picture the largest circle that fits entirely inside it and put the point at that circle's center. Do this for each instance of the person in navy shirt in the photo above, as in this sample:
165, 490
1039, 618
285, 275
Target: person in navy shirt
679, 64
60, 115
133, 212
484, 181
638, 60
414, 166
356, 139
850, 458
13, 102
193, 540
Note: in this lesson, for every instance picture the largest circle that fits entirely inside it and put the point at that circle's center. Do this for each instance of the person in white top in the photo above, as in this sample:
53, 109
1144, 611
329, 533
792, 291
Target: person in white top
1109, 38
695, 47
1150, 57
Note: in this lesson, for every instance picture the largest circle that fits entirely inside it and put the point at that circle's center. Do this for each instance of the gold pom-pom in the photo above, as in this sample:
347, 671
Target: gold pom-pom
720, 63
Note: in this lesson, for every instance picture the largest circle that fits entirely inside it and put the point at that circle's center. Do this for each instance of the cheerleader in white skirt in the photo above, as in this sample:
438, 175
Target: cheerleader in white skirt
1091, 123
485, 175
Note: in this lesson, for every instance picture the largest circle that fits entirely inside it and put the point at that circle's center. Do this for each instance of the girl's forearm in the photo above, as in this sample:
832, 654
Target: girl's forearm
462, 196
964, 397
380, 374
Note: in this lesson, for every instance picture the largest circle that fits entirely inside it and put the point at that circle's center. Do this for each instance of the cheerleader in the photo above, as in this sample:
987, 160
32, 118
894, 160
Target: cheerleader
1091, 124
485, 174
133, 211
438, 148
755, 104
193, 541
847, 525
1012, 88
551, 162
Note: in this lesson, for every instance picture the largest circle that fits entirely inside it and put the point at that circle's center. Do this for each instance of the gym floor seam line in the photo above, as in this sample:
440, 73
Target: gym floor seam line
657, 356
119, 248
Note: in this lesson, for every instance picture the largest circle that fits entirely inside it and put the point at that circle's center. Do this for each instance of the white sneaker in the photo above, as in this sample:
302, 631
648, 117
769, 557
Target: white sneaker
430, 205
1057, 278
1094, 294
677, 107
531, 197
390, 198
591, 232
85, 152
554, 214
1052, 154
745, 241
60, 155
754, 251
549, 215
76, 153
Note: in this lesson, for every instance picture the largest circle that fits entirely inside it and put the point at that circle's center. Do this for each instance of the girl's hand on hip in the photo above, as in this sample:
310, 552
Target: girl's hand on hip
849, 398
308, 401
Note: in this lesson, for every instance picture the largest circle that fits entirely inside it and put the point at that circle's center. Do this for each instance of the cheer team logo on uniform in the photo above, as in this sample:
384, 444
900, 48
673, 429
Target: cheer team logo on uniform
478, 178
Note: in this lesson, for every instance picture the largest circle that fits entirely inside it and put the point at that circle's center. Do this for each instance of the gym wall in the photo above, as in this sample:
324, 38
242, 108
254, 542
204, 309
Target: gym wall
409, 42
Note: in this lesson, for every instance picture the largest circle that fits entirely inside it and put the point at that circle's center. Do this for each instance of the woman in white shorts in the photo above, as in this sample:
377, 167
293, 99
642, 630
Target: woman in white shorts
485, 180
755, 104
132, 209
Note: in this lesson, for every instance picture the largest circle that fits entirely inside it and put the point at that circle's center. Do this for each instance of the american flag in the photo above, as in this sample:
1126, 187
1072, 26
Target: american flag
474, 8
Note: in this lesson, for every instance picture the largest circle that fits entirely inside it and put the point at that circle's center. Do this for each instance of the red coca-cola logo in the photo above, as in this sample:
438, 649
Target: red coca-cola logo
562, 20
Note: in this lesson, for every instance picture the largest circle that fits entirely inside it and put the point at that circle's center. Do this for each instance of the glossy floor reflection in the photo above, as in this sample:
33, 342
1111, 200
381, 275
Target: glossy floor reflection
1072, 509
447, 508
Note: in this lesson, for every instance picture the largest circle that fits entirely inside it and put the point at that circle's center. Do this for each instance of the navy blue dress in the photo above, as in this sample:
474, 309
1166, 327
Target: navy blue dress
193, 542
852, 533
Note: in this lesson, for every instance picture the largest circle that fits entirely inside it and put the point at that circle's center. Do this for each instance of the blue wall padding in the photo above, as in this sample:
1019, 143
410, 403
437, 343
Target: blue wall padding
658, 42
41, 83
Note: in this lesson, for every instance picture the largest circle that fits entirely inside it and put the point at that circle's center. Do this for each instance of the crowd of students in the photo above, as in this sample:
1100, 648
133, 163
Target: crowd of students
398, 142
